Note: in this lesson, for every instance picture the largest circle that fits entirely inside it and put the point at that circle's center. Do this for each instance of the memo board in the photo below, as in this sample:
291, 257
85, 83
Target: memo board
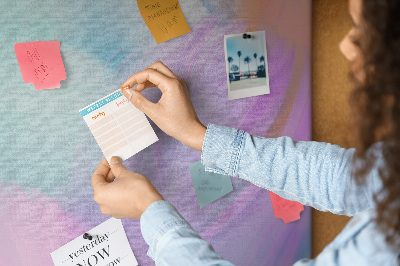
48, 154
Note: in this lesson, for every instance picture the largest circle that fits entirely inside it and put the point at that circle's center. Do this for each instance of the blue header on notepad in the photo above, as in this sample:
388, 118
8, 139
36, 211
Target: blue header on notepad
100, 103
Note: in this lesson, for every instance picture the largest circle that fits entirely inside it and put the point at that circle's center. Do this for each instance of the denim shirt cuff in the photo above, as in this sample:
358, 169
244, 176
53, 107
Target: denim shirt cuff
222, 147
159, 218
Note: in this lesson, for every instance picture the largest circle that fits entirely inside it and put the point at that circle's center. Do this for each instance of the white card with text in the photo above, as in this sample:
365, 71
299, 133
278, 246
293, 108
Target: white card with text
109, 246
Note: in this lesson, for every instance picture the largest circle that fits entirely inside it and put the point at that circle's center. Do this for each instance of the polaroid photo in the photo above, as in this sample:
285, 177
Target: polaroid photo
246, 64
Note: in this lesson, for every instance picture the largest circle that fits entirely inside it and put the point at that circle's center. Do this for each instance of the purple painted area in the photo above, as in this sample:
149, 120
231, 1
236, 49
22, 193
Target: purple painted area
240, 226
299, 123
32, 226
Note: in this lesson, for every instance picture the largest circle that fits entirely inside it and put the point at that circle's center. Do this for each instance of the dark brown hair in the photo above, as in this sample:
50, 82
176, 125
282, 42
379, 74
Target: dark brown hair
376, 102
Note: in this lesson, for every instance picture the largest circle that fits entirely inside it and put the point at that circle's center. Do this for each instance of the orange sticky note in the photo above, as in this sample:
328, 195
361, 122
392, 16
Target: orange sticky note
164, 18
41, 63
288, 211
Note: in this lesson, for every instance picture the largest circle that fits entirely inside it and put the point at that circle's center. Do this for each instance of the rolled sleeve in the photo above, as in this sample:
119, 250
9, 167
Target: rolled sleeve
315, 174
221, 149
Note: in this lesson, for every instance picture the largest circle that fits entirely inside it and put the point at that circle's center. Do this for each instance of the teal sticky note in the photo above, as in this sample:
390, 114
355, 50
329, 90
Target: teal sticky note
209, 186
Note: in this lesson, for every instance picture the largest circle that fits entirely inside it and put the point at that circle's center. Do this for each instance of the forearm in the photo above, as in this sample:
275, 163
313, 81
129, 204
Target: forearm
172, 241
312, 173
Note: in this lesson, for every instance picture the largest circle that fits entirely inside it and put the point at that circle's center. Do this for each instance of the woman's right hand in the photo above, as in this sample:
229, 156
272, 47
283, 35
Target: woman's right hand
174, 112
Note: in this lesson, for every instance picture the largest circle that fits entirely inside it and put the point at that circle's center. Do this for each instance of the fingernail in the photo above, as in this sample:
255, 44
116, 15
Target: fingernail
115, 160
129, 93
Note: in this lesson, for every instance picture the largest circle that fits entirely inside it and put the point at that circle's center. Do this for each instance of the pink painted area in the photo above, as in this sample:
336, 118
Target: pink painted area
290, 19
288, 211
41, 63
32, 226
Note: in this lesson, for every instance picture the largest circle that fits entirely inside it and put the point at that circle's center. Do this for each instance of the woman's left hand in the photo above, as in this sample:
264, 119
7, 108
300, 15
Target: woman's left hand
127, 197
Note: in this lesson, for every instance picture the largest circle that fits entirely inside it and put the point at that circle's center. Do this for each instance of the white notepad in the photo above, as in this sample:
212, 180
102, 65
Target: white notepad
118, 126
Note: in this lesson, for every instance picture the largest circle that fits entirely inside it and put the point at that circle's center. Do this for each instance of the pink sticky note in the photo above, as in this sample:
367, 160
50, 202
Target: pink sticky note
41, 63
286, 210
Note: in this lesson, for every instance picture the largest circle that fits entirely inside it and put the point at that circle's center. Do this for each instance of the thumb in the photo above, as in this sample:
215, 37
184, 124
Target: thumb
116, 166
138, 100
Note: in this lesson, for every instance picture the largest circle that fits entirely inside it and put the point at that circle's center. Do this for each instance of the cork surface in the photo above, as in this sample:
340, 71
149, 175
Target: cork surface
331, 89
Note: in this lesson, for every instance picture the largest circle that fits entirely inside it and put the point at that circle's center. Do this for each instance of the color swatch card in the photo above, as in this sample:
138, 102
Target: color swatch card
108, 246
164, 19
41, 63
209, 186
118, 126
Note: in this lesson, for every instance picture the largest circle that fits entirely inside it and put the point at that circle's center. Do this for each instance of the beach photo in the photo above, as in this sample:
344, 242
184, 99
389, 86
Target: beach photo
246, 64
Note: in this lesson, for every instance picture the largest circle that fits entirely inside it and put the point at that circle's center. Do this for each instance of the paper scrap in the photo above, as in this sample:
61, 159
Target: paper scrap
118, 126
288, 211
209, 186
109, 246
164, 19
41, 63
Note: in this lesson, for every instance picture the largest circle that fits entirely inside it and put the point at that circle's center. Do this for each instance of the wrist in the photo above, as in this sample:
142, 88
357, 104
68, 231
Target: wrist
148, 203
196, 136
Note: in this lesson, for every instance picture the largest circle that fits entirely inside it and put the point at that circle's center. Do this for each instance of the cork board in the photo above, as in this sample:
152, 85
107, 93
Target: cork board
331, 89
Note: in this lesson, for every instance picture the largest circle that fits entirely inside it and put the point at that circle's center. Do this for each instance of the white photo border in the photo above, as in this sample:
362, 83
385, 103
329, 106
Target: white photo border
247, 92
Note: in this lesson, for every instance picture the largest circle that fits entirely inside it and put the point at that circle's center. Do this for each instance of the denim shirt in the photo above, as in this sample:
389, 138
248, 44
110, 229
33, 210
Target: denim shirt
313, 173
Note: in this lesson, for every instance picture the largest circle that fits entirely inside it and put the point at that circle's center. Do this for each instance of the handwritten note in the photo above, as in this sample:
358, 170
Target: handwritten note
118, 126
288, 211
41, 63
164, 18
108, 246
209, 186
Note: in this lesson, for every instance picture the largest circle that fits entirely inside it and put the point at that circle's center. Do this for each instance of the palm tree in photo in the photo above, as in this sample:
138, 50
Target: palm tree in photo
262, 59
247, 60
255, 57
234, 68
239, 54
230, 59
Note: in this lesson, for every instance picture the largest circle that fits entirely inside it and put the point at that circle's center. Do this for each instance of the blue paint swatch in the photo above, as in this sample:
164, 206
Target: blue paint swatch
209, 186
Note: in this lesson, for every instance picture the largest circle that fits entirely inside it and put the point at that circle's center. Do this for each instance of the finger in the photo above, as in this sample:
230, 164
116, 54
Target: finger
142, 86
99, 176
104, 210
140, 102
110, 177
159, 80
117, 216
117, 167
160, 67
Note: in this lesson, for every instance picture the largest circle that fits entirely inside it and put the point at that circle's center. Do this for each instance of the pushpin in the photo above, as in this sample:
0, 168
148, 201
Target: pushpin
246, 36
87, 236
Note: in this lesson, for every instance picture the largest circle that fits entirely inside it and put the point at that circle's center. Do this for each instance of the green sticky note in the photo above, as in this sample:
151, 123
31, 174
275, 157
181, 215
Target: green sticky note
209, 186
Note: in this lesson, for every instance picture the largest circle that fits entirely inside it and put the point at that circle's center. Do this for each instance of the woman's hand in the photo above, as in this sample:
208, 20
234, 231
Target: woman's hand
173, 113
127, 197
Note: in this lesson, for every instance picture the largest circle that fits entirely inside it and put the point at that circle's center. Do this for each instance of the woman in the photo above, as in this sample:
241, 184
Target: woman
320, 175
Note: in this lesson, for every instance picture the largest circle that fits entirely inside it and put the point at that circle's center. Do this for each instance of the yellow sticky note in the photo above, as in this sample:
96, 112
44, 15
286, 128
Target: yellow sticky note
164, 18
